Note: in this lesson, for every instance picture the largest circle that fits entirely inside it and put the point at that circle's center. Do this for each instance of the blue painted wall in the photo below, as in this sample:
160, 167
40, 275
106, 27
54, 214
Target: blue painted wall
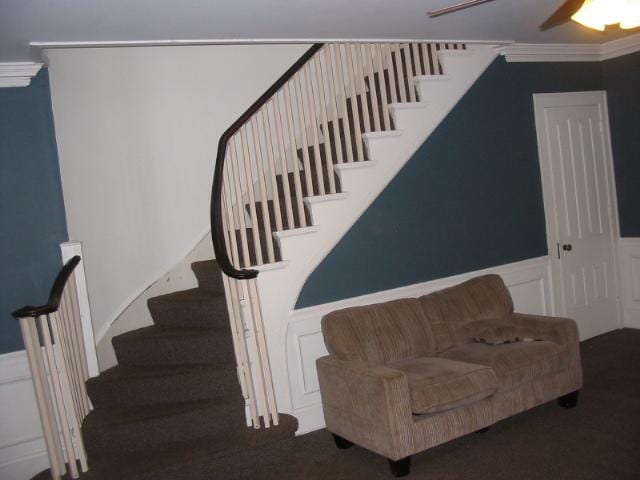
31, 206
470, 198
622, 82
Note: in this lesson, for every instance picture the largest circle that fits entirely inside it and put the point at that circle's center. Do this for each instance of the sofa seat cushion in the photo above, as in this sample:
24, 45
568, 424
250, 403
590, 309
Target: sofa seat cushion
439, 384
514, 363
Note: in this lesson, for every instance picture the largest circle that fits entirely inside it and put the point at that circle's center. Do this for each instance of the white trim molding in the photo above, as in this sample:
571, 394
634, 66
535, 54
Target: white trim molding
22, 450
18, 74
570, 52
623, 46
528, 281
629, 251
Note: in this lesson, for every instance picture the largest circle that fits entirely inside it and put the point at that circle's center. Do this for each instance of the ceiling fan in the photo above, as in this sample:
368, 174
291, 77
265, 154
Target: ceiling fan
563, 14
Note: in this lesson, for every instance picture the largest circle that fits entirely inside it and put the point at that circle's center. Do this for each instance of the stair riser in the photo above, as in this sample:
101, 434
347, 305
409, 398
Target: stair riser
207, 314
191, 350
209, 276
169, 389
123, 439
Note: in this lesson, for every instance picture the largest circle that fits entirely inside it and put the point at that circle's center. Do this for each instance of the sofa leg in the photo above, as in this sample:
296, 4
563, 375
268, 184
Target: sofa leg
483, 430
400, 468
569, 400
341, 443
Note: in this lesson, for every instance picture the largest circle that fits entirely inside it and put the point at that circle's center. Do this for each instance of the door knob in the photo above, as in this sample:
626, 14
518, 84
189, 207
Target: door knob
567, 247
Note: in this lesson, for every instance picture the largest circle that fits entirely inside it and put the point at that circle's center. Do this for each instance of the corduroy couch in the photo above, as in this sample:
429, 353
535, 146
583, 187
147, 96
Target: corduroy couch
410, 374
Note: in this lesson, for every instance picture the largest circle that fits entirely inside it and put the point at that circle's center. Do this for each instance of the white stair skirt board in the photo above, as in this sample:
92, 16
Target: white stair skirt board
629, 250
528, 282
388, 152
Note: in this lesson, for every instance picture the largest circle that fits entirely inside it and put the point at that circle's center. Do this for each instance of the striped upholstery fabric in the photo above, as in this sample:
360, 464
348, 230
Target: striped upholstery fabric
449, 310
439, 384
379, 334
387, 386
514, 363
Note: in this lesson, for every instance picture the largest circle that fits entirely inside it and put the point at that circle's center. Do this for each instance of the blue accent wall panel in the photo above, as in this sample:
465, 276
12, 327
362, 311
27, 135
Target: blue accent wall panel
469, 198
622, 82
31, 206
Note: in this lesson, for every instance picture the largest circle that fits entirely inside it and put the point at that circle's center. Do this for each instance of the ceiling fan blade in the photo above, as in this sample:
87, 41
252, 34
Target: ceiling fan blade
455, 8
562, 15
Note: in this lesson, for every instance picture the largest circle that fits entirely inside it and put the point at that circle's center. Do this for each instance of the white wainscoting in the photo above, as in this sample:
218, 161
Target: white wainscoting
528, 281
629, 250
22, 449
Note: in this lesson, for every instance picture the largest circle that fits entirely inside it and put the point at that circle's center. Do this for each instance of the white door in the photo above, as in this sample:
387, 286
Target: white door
577, 178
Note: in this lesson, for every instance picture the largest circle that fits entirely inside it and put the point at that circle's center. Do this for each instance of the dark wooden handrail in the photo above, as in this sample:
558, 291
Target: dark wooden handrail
54, 296
217, 230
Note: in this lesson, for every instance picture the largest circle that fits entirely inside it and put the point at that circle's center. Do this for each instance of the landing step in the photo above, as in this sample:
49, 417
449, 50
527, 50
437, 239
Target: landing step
242, 453
122, 432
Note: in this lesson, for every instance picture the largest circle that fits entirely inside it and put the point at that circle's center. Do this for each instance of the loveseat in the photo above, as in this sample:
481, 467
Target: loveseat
407, 375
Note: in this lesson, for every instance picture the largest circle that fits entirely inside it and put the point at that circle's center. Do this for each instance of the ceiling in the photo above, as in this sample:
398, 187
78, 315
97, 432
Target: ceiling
55, 21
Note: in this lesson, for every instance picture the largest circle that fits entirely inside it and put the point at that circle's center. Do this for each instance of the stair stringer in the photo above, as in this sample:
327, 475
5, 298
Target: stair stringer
334, 215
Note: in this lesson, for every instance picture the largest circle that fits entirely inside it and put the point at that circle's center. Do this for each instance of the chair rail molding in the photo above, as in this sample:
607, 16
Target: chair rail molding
570, 52
22, 448
527, 280
18, 74
629, 251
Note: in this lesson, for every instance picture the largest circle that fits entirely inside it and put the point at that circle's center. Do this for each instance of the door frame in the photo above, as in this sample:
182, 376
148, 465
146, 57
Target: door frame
540, 102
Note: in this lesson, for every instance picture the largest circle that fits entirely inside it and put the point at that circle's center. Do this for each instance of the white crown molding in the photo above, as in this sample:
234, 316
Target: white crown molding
18, 74
552, 52
249, 41
623, 46
570, 52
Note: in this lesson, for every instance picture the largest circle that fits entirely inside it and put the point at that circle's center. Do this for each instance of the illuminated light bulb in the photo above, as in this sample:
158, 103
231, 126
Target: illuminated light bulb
597, 14
631, 18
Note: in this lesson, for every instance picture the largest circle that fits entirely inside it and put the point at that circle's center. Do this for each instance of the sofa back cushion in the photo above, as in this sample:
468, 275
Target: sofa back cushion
380, 333
449, 310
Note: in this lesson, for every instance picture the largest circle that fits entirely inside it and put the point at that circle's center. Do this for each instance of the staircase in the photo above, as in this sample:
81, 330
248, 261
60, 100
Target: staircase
299, 168
173, 408
292, 175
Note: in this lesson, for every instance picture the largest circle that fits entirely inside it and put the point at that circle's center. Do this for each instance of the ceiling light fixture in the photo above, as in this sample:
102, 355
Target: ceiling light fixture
597, 14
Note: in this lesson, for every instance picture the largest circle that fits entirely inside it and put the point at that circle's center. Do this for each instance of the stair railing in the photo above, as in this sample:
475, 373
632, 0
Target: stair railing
54, 343
283, 149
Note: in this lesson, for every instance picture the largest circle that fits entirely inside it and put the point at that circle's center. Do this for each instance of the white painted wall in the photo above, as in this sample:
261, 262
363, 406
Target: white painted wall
137, 132
137, 314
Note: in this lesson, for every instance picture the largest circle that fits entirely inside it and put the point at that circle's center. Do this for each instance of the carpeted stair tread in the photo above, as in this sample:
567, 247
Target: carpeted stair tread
241, 452
209, 276
159, 345
189, 308
122, 386
120, 432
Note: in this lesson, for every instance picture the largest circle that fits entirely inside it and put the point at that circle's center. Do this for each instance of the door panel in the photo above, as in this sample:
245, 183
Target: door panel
575, 163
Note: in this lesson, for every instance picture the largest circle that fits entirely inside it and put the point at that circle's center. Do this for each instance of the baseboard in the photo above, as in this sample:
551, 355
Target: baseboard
22, 449
629, 251
528, 281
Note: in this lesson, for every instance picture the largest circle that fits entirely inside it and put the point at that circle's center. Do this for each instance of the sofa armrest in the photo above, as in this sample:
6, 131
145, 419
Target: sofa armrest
368, 405
563, 331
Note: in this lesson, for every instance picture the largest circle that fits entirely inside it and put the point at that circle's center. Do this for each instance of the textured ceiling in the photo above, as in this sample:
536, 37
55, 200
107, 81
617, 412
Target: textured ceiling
25, 21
